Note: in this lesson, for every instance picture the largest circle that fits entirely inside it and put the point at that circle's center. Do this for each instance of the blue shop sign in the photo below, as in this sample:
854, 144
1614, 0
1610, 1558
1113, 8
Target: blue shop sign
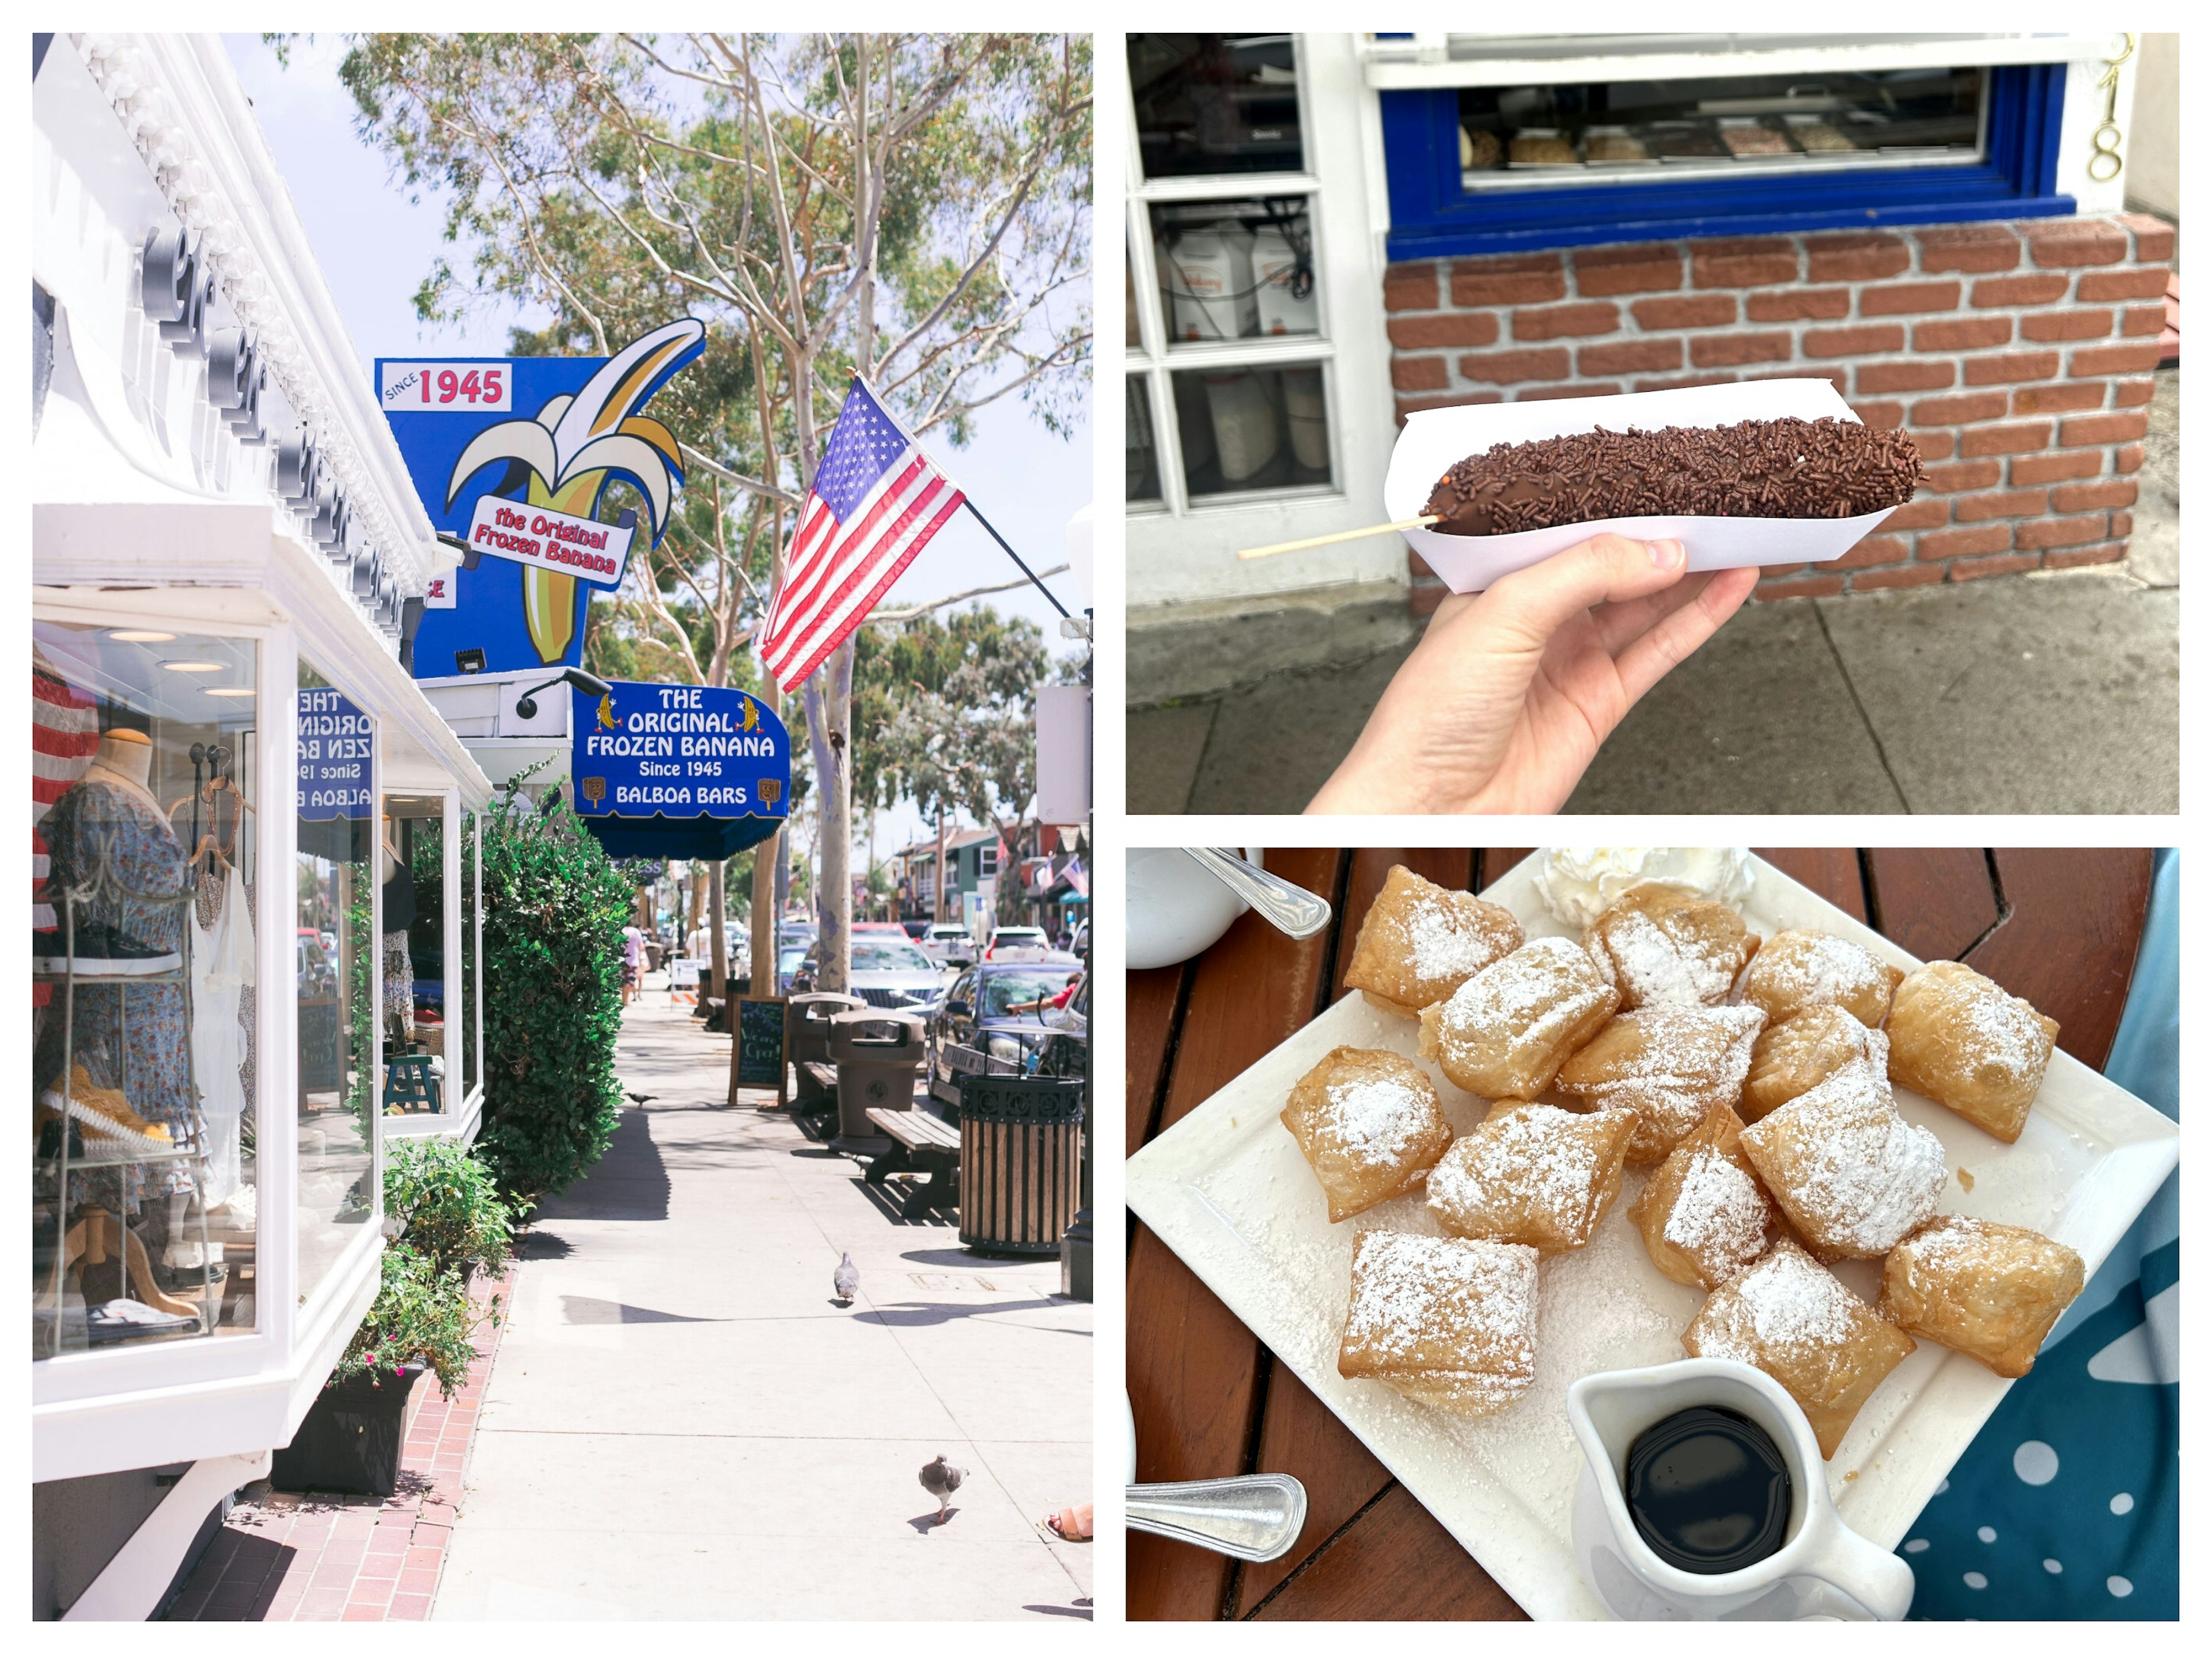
673, 769
336, 746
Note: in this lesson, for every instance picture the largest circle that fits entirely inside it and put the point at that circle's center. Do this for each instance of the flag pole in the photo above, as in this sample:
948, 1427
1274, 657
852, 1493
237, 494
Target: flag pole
1016, 555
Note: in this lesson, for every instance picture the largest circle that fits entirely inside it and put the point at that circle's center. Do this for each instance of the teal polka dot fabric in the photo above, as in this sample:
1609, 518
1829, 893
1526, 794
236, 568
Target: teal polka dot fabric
2068, 1504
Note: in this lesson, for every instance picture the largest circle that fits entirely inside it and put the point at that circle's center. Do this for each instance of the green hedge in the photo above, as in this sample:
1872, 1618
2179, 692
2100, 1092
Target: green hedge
554, 908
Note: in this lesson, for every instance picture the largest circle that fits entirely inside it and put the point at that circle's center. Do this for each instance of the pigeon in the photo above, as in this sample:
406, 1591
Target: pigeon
847, 1281
639, 1097
942, 1480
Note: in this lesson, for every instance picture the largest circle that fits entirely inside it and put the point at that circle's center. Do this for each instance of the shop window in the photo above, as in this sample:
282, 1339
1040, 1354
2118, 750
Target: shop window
413, 957
340, 980
469, 1014
1252, 428
145, 877
1216, 103
1499, 167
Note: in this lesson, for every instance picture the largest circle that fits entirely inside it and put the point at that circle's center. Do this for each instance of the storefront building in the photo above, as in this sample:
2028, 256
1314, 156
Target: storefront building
256, 889
1328, 233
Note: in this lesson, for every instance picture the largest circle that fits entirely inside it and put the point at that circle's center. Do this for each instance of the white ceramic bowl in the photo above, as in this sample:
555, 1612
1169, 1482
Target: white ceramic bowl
1176, 908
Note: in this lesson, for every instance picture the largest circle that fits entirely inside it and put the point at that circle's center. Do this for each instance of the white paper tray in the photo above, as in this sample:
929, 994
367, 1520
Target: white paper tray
1433, 442
1227, 1190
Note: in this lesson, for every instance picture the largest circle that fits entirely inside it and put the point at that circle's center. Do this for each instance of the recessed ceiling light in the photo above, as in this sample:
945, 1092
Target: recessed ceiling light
193, 666
230, 691
144, 637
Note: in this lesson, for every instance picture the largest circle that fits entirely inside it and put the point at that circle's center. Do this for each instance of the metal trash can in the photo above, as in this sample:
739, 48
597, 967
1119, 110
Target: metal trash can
1021, 1162
806, 1039
877, 1054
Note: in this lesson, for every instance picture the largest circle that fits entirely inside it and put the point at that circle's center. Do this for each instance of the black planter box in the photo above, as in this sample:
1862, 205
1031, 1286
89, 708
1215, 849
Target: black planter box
350, 1440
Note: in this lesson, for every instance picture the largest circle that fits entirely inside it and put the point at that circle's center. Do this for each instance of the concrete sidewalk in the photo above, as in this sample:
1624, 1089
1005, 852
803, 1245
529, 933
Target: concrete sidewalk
681, 1425
2051, 693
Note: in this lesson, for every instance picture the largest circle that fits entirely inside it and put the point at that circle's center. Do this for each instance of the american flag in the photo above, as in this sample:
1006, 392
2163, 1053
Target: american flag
876, 502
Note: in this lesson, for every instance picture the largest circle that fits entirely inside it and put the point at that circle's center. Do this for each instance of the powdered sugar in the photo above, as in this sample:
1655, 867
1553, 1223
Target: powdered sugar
1376, 1121
1854, 1174
1444, 942
1691, 1057
1411, 1291
1784, 1303
1529, 997
1537, 1152
1719, 1212
1799, 970
2008, 1033
1661, 970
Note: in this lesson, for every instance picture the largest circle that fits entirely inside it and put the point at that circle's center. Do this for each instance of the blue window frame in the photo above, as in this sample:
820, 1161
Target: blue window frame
1431, 215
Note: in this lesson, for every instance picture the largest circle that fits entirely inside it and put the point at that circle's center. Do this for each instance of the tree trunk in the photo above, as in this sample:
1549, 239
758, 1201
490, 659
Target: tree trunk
719, 970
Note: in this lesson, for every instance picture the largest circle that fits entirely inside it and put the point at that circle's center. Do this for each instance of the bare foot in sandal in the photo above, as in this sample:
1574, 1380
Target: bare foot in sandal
1071, 1523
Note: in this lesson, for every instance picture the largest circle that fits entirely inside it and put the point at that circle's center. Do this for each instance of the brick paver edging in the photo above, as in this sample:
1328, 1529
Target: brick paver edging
344, 1556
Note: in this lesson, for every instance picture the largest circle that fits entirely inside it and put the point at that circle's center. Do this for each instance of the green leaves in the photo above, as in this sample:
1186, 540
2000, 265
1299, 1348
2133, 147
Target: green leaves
451, 1203
422, 1313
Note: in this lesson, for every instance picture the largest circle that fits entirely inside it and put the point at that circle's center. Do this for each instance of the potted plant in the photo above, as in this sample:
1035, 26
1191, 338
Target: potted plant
449, 1205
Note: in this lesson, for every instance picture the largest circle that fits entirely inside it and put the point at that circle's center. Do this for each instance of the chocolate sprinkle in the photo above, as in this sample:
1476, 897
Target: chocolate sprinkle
1756, 468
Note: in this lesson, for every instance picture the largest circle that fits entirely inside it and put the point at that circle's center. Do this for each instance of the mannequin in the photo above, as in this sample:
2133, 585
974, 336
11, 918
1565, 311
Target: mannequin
125, 759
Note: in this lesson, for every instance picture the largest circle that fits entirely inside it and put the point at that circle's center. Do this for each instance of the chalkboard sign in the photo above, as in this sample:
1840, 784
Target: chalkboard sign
757, 1052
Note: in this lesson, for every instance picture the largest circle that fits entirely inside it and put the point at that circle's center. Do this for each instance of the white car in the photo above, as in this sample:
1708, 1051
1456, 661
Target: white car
1018, 942
950, 945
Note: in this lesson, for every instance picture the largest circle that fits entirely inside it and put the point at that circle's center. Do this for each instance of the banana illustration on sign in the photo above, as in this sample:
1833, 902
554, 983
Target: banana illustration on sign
753, 715
578, 444
607, 712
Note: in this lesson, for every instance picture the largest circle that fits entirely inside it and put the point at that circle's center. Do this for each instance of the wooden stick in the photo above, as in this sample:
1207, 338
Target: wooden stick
1331, 539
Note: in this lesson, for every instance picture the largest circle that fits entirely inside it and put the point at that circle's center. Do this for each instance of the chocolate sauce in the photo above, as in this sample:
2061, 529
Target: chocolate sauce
1708, 1491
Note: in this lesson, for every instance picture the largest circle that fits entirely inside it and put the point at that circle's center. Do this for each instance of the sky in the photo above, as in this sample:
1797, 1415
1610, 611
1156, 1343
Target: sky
375, 247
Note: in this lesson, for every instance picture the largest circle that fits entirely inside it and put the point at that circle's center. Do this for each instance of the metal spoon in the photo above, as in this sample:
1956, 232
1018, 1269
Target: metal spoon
1253, 1519
1297, 912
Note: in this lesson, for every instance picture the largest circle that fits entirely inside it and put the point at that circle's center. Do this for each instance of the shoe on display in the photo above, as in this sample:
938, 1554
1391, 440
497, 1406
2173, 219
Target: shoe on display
102, 950
126, 1318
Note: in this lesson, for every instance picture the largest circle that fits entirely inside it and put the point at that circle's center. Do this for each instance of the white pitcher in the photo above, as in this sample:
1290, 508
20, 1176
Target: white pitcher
1823, 1571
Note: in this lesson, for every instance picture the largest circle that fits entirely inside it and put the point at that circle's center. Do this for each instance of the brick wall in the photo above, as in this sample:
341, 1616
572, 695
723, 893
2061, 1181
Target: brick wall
2017, 354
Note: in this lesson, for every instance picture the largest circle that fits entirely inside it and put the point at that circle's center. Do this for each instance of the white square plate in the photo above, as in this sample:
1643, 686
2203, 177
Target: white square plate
1227, 1189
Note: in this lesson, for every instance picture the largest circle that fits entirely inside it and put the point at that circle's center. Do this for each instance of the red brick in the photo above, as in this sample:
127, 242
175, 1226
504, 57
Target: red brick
1965, 474
2012, 368
2103, 427
2055, 467
2084, 555
1565, 321
2061, 531
1908, 298
1410, 286
1561, 393
1684, 383
2058, 398
1423, 599
2020, 290
2139, 320
1515, 367
1743, 261
2051, 325
1875, 550
2093, 361
2123, 523
1607, 272
1508, 279
2071, 243
2129, 460
1414, 404
1905, 376
1918, 514
1420, 372
1733, 349
1965, 541
1959, 409
1697, 310
1912, 573
1776, 570
1973, 248
1799, 304
1853, 341
2092, 496
1880, 416
1986, 440
2019, 503
1935, 445
2104, 286
1856, 256
1827, 586
2153, 236
1981, 567
409, 1606
1630, 356
1446, 329
1973, 333
2133, 392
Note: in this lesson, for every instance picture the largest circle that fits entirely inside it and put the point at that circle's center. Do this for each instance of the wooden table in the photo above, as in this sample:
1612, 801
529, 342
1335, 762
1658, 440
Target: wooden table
2059, 928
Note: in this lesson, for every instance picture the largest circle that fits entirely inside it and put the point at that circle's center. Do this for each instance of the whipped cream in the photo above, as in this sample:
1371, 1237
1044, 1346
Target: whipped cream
1577, 885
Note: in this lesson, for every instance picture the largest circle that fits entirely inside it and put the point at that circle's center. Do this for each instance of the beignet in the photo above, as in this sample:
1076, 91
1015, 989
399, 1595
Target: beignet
1704, 1216
1805, 1329
1534, 1175
1662, 946
1852, 1175
1510, 1026
1450, 1324
1420, 941
1987, 1290
1957, 1038
1669, 1063
1792, 1057
1799, 970
1370, 1125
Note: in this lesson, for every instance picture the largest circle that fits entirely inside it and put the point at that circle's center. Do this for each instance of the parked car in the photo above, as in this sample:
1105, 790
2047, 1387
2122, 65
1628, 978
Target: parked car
878, 927
999, 1018
950, 944
888, 972
788, 958
917, 930
1018, 942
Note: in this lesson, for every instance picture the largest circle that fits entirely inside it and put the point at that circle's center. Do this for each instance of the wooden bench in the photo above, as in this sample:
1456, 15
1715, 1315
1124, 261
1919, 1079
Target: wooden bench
920, 1143
818, 1087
